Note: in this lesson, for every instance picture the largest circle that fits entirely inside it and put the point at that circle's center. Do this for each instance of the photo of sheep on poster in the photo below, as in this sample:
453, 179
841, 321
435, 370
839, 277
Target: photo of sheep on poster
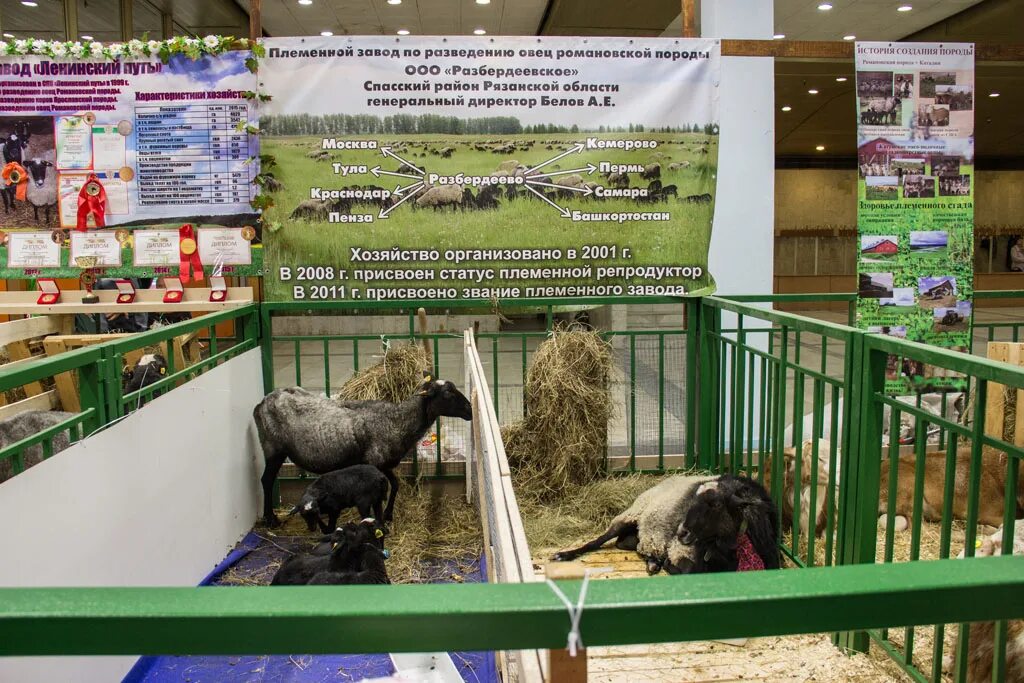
918, 187
958, 97
953, 319
931, 79
954, 186
874, 84
28, 181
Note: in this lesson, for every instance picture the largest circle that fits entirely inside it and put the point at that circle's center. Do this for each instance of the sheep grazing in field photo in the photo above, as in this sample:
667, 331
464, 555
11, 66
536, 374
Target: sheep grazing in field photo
321, 436
441, 196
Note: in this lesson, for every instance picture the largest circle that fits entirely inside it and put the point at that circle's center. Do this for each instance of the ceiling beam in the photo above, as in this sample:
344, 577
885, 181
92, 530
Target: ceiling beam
842, 51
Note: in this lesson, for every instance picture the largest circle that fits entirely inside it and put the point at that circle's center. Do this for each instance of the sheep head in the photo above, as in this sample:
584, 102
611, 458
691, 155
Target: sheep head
444, 399
713, 515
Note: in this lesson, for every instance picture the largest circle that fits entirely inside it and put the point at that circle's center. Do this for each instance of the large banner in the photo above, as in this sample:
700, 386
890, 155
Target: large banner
478, 168
915, 215
108, 159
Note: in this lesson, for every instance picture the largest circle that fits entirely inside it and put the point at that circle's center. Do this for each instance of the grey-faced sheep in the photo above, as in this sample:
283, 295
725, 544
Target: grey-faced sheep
363, 487
24, 425
42, 187
347, 540
732, 525
650, 526
320, 436
651, 171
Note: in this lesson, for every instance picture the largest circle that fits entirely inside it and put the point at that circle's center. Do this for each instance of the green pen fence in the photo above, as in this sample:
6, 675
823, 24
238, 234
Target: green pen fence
749, 384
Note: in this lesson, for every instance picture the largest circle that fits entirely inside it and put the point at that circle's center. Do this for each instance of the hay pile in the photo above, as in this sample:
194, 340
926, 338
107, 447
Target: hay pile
560, 442
394, 378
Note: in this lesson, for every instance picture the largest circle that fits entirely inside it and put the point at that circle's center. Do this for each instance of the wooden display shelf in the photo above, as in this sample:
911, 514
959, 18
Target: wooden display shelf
196, 299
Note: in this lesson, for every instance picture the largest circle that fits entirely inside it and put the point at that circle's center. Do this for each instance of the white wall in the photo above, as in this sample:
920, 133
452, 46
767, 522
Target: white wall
742, 237
156, 500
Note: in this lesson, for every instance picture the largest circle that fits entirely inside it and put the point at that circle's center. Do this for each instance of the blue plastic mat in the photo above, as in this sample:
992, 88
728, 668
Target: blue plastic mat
253, 558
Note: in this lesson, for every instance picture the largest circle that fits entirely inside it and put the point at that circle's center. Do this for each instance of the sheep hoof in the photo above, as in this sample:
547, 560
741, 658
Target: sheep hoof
653, 567
271, 522
900, 523
561, 557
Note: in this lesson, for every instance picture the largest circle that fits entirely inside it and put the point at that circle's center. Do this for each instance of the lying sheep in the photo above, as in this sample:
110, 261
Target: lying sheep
320, 436
820, 489
370, 562
151, 368
732, 526
42, 187
990, 496
349, 539
650, 526
24, 425
360, 486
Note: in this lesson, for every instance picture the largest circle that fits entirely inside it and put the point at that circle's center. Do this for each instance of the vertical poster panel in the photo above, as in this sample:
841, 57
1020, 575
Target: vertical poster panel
132, 143
915, 209
479, 168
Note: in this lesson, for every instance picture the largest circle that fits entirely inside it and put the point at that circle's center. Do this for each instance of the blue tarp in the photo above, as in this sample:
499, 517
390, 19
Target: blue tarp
252, 557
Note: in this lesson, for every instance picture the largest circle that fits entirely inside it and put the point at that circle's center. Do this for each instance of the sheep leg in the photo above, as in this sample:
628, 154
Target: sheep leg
271, 468
393, 484
617, 529
378, 508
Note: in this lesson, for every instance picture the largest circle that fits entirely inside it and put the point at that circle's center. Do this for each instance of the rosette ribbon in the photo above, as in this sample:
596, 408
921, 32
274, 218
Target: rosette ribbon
15, 174
92, 200
189, 254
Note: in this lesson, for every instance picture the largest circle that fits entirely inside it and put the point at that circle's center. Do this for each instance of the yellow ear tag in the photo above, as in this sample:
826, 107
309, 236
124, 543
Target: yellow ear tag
333, 546
378, 533
427, 378
163, 371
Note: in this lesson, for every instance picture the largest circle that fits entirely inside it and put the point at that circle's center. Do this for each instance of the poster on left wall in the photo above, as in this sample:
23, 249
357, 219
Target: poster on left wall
128, 151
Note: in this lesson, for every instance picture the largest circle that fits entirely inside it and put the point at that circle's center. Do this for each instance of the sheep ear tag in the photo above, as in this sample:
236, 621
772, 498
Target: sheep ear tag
378, 533
743, 527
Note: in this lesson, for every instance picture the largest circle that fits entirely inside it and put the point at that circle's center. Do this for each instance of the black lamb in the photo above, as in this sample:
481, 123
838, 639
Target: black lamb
371, 568
730, 523
346, 554
321, 436
150, 369
360, 486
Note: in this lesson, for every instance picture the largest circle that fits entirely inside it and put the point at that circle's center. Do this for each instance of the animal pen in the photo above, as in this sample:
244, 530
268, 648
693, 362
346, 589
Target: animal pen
733, 383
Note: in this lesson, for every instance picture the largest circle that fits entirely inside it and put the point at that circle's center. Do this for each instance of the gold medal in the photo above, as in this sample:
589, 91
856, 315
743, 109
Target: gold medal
122, 236
126, 173
90, 118
248, 233
188, 246
15, 176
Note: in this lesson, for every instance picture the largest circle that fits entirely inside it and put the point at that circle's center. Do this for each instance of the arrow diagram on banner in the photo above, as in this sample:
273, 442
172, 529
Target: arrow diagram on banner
399, 190
385, 213
590, 168
386, 151
565, 212
585, 190
378, 173
576, 149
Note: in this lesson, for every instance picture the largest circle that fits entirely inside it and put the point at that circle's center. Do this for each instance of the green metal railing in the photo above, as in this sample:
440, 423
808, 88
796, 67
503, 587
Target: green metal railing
751, 377
656, 367
98, 373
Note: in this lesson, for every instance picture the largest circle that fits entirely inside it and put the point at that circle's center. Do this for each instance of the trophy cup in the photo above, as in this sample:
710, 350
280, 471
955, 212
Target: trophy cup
87, 279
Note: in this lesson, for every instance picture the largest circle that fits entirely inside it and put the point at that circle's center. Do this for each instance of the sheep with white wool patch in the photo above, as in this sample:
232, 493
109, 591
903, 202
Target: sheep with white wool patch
42, 186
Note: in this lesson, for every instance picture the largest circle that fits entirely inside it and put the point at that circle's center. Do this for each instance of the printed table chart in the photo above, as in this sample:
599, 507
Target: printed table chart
192, 154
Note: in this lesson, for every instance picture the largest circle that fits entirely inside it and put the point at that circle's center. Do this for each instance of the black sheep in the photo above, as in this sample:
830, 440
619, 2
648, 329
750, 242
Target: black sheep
346, 554
150, 369
719, 519
371, 568
363, 487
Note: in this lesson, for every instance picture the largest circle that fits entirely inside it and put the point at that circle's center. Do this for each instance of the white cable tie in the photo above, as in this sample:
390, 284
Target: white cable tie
574, 641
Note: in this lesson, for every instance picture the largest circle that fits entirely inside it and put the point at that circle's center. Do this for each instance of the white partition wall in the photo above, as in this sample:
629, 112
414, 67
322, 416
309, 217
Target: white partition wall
157, 499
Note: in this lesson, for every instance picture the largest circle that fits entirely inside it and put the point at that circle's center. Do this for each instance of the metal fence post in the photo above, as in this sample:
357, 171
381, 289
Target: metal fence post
862, 457
266, 341
692, 328
708, 388
92, 394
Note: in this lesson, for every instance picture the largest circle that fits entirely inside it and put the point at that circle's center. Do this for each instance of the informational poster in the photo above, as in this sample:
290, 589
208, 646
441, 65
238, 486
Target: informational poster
127, 143
915, 215
479, 168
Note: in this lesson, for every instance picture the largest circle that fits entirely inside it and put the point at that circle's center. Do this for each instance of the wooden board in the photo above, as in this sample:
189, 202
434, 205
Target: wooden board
28, 328
44, 401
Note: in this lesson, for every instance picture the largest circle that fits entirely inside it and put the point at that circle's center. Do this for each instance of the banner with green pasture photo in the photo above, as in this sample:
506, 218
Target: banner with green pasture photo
478, 168
915, 208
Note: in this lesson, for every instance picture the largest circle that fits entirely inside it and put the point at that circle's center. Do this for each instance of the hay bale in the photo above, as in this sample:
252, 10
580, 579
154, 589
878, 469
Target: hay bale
560, 442
394, 378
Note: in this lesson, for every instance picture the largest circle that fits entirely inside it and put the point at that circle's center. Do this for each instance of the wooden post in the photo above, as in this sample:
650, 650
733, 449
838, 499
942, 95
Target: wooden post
563, 668
995, 404
70, 19
255, 20
127, 24
689, 20
421, 314
166, 25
